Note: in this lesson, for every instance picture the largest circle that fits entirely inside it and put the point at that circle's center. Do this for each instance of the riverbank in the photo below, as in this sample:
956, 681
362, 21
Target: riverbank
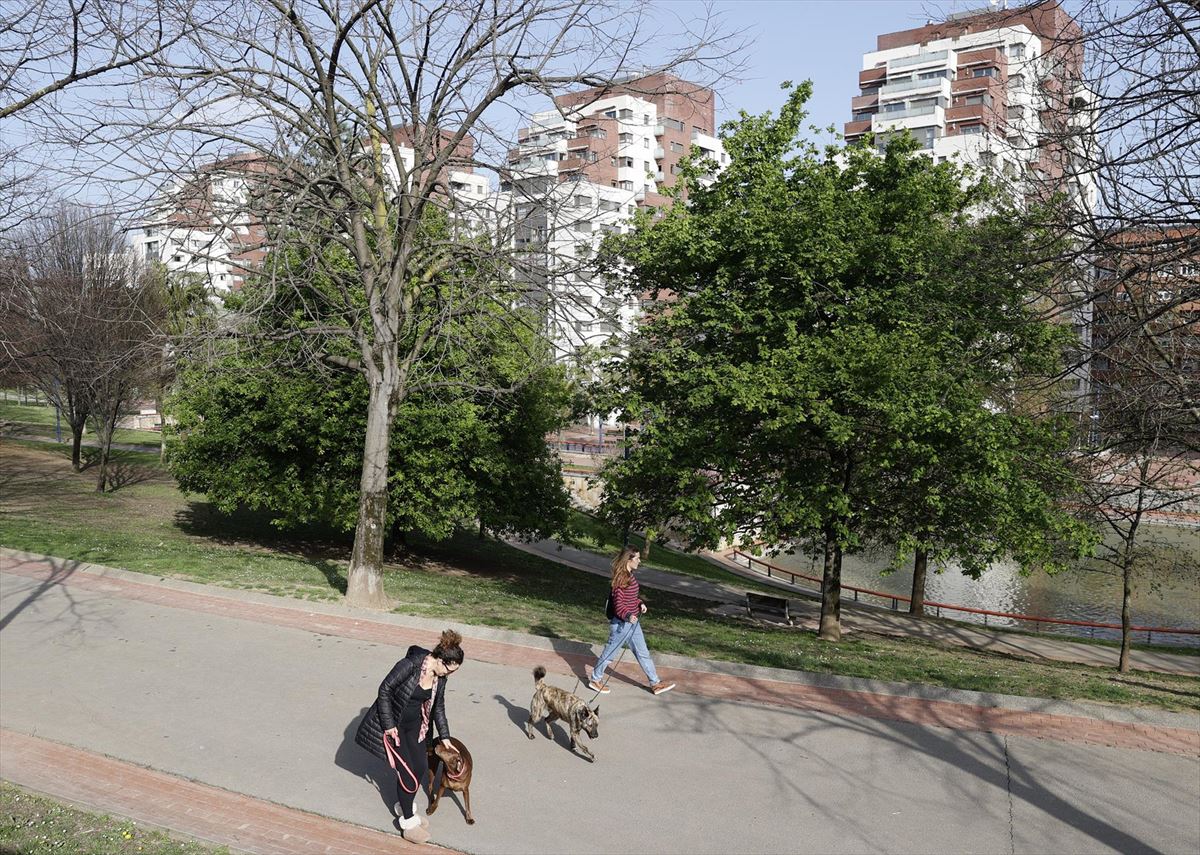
149, 526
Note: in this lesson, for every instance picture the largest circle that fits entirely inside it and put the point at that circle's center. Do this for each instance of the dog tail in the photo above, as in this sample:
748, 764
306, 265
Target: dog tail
539, 674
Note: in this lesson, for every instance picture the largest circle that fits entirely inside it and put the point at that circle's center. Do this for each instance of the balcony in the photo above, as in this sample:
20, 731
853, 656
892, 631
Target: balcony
937, 57
988, 56
917, 87
872, 75
854, 129
966, 112
964, 85
864, 102
895, 115
659, 154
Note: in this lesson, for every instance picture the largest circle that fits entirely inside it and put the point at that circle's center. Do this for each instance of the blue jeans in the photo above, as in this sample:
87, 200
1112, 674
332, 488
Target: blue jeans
620, 633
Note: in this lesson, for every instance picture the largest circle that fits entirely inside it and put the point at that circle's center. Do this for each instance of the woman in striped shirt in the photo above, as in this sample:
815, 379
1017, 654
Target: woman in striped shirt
625, 606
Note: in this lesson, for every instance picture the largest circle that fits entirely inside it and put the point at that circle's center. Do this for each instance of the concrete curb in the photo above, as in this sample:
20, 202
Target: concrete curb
917, 691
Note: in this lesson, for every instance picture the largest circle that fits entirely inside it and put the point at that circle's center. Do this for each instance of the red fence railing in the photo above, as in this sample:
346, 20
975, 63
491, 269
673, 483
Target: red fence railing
773, 571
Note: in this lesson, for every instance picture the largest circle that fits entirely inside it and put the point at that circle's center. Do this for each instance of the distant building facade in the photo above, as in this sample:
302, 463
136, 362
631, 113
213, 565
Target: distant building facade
581, 171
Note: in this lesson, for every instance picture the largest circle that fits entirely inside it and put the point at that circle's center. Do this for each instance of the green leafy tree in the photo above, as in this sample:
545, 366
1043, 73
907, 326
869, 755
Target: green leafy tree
266, 427
833, 319
257, 433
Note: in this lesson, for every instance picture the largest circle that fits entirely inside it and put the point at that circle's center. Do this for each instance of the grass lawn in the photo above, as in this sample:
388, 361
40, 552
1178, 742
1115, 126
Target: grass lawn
32, 824
35, 420
149, 526
597, 536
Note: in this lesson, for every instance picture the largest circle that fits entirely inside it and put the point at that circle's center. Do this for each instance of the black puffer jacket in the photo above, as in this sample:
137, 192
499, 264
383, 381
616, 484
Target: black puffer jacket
395, 690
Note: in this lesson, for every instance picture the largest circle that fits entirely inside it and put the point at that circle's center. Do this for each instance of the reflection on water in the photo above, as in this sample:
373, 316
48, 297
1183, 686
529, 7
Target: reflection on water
1166, 595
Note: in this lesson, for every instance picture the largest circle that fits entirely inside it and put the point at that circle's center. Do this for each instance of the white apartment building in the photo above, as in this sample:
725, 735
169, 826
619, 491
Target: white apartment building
983, 88
202, 224
581, 171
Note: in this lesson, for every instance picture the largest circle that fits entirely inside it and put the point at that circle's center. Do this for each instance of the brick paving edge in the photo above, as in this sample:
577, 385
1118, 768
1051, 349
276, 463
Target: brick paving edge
99, 805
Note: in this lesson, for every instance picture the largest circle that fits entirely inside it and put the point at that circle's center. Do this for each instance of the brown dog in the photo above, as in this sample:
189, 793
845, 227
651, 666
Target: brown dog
551, 702
456, 773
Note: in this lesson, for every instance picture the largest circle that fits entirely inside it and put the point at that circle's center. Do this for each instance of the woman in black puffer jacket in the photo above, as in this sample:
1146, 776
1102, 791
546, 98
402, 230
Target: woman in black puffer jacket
396, 726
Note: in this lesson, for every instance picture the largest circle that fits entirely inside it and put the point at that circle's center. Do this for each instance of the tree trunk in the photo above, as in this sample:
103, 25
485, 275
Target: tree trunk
104, 437
920, 564
76, 445
831, 591
162, 430
364, 582
1126, 596
646, 536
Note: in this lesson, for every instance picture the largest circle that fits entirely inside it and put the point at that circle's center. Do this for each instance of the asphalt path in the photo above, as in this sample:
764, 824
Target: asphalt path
270, 711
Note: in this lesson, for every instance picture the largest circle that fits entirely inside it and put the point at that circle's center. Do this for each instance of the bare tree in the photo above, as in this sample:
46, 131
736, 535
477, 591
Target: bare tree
348, 123
76, 320
48, 47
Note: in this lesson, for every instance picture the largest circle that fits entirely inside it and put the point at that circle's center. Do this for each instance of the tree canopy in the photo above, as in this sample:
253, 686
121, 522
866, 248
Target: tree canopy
841, 356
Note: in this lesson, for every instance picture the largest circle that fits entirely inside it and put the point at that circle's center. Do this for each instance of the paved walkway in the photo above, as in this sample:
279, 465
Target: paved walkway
855, 617
260, 696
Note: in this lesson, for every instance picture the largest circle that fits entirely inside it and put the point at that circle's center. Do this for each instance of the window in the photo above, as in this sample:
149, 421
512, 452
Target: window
645, 118
625, 139
645, 142
612, 114
894, 107
625, 114
583, 226
932, 75
926, 136
863, 117
970, 130
676, 147
1016, 51
152, 250
673, 124
1189, 269
985, 72
625, 185
592, 157
626, 162
648, 165
972, 100
674, 168
598, 133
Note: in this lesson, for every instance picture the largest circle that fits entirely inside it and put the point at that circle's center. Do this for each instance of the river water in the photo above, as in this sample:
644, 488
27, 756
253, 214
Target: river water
1166, 594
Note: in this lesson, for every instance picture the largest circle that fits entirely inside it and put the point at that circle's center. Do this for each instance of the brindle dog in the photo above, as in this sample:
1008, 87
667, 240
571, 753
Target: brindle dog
551, 702
456, 773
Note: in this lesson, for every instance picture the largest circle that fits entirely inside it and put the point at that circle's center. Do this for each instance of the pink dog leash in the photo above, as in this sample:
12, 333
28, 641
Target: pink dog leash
393, 755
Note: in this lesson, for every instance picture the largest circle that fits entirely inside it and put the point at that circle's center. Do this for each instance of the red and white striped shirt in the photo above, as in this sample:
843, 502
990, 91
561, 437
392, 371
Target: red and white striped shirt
626, 602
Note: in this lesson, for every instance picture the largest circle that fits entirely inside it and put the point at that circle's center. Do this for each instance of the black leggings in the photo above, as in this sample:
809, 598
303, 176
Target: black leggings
413, 751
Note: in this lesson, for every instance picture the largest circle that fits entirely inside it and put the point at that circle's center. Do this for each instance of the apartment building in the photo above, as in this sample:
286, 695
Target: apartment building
205, 224
991, 88
580, 171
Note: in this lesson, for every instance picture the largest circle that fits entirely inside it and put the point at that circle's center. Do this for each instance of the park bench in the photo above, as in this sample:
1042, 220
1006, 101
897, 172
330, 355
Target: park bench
768, 608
